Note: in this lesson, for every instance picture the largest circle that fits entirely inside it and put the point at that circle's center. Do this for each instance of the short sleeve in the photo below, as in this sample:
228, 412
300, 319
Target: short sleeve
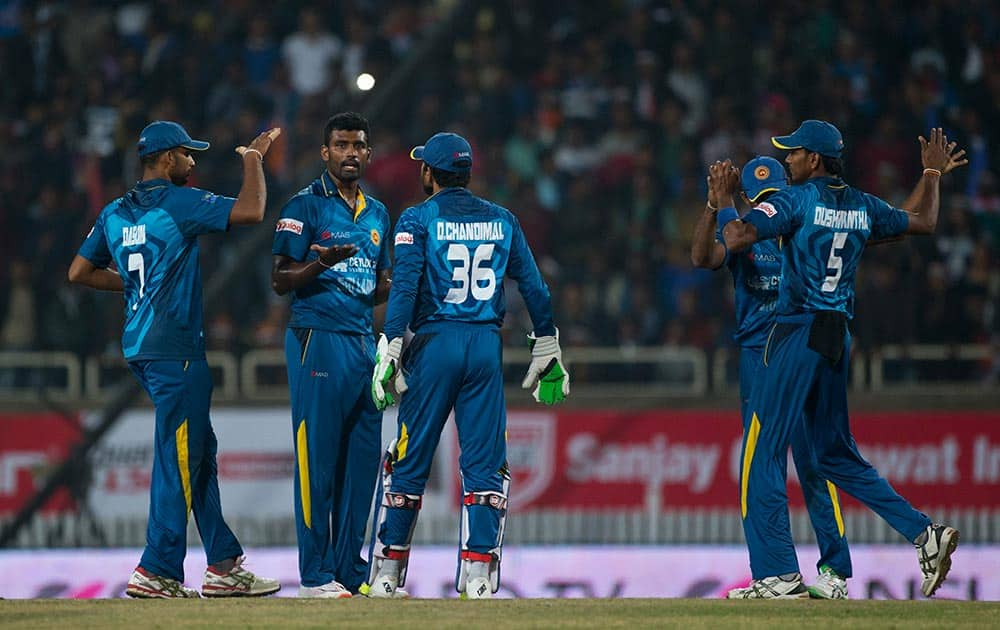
293, 232
886, 220
95, 245
778, 216
198, 211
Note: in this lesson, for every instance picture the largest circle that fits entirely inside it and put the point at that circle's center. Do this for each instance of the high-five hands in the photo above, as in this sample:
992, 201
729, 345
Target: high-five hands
723, 183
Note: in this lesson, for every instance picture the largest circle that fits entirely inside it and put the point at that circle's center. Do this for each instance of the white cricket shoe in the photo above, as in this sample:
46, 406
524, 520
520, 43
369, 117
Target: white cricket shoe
330, 590
145, 585
398, 593
935, 556
772, 588
237, 582
478, 588
384, 587
828, 585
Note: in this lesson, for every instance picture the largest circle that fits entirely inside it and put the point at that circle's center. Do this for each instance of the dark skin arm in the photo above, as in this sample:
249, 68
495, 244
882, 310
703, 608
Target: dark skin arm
252, 198
288, 274
82, 271
706, 251
382, 286
924, 202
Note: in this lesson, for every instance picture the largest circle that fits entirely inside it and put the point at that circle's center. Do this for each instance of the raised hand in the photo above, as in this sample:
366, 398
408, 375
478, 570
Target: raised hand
261, 143
723, 183
955, 159
939, 154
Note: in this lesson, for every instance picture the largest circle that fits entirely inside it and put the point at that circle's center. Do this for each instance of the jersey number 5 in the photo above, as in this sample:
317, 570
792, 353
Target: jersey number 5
835, 264
473, 276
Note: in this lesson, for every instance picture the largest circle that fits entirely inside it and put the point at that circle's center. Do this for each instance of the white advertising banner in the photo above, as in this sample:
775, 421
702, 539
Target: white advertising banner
256, 463
880, 572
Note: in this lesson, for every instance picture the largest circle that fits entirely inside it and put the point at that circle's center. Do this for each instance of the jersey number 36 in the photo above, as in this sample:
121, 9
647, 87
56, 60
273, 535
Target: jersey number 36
477, 277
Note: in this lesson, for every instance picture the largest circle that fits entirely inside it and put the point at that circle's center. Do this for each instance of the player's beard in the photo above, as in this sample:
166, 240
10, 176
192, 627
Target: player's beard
179, 179
345, 175
428, 189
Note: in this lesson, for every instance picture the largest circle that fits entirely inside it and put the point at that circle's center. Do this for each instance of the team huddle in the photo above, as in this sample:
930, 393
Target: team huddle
793, 256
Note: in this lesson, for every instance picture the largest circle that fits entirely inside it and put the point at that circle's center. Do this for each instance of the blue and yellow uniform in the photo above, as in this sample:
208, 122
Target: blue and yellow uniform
802, 381
330, 353
452, 254
150, 234
756, 278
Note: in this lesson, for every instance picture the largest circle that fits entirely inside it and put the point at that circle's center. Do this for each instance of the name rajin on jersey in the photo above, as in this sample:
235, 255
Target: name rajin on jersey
133, 235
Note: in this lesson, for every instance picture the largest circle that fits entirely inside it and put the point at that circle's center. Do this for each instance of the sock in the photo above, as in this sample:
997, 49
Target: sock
224, 566
921, 539
790, 577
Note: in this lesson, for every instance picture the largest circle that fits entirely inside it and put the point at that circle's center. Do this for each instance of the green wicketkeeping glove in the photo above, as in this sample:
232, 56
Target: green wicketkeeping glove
386, 368
546, 374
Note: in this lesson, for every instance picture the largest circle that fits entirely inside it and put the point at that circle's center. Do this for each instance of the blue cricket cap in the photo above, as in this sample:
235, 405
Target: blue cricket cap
446, 151
164, 134
763, 174
818, 136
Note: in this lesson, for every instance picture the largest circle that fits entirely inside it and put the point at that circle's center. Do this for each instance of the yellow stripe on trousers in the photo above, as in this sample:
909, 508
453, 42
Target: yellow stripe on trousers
302, 450
836, 507
752, 434
181, 438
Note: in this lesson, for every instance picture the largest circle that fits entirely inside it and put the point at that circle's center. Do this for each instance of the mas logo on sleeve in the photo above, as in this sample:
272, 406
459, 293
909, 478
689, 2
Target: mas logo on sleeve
767, 209
289, 225
404, 238
376, 237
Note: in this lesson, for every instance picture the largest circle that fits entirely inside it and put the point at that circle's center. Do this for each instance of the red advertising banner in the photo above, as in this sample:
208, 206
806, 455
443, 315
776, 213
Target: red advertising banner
690, 459
31, 446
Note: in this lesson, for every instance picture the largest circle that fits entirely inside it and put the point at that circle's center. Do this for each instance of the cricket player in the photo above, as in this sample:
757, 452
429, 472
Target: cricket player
452, 254
150, 235
802, 381
330, 252
756, 277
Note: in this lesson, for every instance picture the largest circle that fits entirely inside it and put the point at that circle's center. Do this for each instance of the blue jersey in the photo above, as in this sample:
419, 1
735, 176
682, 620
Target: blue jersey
150, 234
825, 225
339, 299
756, 277
453, 252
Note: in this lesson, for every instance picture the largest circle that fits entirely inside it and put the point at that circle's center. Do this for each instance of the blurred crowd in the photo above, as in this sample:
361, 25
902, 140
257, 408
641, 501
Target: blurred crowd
594, 123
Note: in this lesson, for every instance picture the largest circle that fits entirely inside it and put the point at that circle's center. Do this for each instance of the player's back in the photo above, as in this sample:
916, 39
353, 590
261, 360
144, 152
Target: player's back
468, 246
821, 258
151, 236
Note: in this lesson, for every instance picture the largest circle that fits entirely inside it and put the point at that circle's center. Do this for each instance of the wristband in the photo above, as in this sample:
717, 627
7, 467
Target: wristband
708, 204
259, 154
726, 215
323, 264
932, 171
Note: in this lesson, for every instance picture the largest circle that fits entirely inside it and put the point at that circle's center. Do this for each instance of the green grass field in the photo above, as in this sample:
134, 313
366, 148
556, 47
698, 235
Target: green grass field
523, 613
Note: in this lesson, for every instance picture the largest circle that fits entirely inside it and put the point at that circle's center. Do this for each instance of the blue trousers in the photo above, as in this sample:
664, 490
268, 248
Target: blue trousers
798, 389
451, 366
820, 496
337, 432
185, 473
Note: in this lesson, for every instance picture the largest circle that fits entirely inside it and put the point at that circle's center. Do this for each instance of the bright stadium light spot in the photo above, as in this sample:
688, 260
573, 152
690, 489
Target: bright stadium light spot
365, 81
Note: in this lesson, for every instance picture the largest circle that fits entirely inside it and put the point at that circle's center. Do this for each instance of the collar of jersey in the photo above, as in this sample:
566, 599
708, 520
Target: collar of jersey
831, 182
150, 184
330, 189
450, 189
